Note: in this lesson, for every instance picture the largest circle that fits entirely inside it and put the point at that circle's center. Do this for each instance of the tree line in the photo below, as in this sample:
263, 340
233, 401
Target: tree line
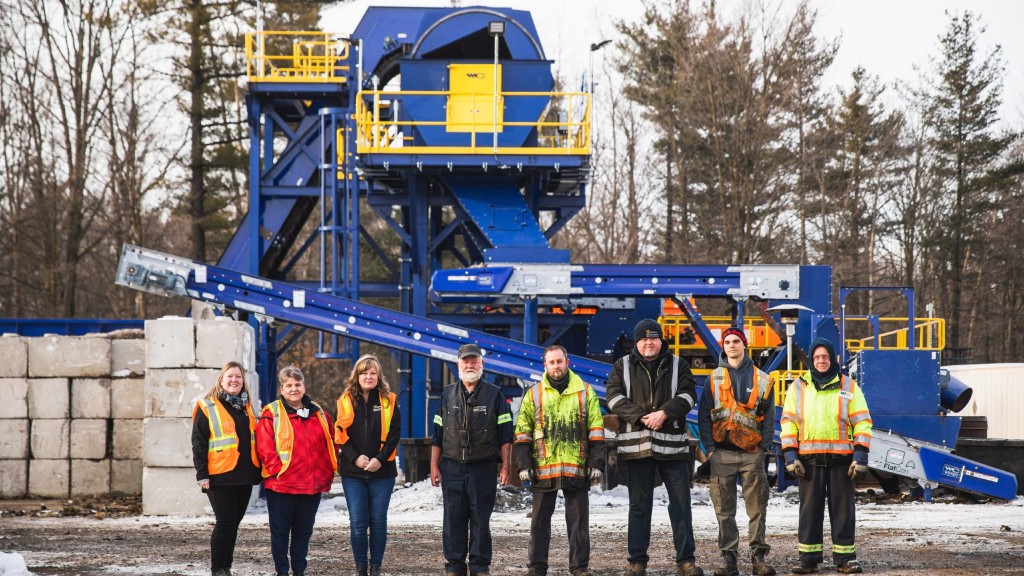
727, 147
125, 122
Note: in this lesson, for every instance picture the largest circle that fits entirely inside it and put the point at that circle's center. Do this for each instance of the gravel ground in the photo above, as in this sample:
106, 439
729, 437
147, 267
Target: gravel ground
951, 537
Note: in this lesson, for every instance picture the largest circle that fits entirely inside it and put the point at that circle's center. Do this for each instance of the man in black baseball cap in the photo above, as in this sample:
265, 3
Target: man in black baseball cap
472, 430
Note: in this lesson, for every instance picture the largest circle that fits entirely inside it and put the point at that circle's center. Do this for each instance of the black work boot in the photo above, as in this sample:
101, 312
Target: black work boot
374, 570
689, 569
850, 567
805, 567
760, 566
360, 569
728, 567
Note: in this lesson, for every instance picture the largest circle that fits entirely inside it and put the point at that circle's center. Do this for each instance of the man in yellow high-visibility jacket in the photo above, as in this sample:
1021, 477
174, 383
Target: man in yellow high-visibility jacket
826, 435
559, 445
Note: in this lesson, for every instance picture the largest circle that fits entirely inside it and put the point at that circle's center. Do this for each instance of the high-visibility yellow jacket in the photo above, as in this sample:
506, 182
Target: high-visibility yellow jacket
833, 420
564, 430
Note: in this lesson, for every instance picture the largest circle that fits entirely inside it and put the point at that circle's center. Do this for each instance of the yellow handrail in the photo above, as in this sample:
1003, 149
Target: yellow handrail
929, 334
782, 379
377, 136
295, 57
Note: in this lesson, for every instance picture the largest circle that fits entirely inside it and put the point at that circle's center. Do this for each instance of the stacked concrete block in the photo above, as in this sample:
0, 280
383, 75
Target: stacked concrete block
127, 393
58, 413
14, 422
183, 361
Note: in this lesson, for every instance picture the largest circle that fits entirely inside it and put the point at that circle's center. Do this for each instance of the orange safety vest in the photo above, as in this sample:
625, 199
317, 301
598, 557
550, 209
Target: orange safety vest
740, 421
346, 414
222, 452
283, 439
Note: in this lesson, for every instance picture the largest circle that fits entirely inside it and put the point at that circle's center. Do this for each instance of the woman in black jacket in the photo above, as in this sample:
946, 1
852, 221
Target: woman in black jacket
224, 455
366, 432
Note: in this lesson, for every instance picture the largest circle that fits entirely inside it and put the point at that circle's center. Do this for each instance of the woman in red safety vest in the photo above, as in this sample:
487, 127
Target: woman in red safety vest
224, 455
294, 442
367, 433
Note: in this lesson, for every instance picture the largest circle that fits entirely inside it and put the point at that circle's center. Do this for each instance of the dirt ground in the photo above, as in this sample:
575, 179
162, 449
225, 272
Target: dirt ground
110, 537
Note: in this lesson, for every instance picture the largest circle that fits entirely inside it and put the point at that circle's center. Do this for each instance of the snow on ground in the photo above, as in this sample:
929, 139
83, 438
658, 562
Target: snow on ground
420, 504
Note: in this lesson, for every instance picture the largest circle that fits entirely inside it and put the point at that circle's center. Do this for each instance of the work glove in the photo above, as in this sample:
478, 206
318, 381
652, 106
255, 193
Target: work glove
595, 475
857, 472
796, 469
524, 475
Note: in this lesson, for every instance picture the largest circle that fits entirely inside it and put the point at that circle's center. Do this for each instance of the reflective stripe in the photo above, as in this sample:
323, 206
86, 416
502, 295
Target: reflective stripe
844, 549
595, 434
675, 378
615, 400
625, 377
506, 417
521, 438
558, 470
801, 547
437, 420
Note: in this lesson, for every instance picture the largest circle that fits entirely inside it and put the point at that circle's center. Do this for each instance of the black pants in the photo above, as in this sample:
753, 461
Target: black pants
827, 485
291, 518
577, 524
640, 481
469, 491
229, 504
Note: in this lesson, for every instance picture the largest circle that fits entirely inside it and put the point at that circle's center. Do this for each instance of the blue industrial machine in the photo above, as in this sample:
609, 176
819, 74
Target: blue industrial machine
445, 124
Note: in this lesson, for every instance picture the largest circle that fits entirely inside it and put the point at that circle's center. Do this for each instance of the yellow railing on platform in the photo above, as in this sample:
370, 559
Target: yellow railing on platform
295, 57
782, 379
675, 329
929, 334
376, 133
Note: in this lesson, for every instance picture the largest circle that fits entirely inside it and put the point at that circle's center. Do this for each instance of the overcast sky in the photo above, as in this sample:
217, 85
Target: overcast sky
887, 37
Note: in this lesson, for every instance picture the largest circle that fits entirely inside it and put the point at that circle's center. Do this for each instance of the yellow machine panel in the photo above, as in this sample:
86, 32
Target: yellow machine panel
471, 99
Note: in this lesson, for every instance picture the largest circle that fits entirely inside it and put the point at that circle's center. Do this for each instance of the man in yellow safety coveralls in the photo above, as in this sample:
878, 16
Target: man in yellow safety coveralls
826, 435
559, 444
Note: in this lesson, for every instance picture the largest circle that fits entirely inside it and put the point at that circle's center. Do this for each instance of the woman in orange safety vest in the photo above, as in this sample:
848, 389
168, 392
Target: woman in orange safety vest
224, 455
294, 442
367, 433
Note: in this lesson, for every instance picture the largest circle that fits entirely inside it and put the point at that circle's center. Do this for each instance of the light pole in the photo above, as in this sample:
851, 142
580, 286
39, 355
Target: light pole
590, 76
496, 29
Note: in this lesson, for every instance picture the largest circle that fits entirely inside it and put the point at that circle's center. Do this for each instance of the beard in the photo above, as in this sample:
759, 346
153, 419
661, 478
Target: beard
469, 377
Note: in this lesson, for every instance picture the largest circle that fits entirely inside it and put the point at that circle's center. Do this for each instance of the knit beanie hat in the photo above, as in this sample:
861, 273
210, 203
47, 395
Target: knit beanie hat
737, 332
647, 328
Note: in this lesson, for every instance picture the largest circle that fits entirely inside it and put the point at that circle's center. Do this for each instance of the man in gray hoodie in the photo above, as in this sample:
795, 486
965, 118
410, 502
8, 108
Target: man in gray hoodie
736, 418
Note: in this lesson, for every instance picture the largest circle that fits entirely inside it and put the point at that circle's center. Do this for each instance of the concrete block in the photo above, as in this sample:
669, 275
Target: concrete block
13, 478
167, 442
13, 396
128, 439
224, 340
14, 351
90, 398
126, 476
89, 438
127, 358
14, 439
50, 439
49, 398
170, 343
49, 478
173, 393
252, 379
167, 491
69, 356
90, 477
128, 398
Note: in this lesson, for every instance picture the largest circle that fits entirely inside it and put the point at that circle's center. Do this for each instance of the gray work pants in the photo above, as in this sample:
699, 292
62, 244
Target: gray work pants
726, 466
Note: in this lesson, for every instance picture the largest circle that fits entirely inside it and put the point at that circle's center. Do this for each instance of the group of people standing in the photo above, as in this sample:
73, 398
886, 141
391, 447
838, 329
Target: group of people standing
556, 443
295, 448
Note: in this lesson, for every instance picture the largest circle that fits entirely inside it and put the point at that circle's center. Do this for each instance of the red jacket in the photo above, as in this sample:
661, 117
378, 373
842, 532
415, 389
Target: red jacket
312, 469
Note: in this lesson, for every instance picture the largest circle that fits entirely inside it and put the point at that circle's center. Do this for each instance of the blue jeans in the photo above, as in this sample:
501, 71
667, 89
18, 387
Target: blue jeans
469, 491
640, 481
368, 501
292, 514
